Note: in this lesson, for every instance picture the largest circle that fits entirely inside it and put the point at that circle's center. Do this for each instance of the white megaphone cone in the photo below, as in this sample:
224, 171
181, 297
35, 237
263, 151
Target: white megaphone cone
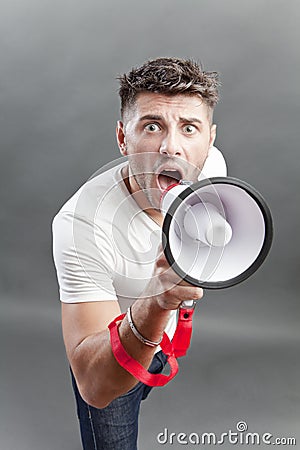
217, 231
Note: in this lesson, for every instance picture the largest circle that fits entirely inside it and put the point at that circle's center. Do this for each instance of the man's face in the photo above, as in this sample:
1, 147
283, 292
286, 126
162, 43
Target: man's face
166, 138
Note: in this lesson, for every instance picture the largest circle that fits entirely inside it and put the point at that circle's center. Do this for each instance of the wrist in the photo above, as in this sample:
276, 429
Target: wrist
137, 334
149, 318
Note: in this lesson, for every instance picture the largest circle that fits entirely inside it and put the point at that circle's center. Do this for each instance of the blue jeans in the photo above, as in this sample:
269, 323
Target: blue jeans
116, 426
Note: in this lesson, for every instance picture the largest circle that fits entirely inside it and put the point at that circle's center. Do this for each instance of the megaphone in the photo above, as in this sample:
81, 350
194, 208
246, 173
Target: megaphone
216, 232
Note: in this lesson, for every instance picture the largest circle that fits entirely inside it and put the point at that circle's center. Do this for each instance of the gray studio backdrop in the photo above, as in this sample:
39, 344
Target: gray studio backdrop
58, 95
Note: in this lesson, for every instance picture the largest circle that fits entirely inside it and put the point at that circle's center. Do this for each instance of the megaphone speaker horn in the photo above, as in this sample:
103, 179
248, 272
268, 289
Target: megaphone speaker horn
217, 232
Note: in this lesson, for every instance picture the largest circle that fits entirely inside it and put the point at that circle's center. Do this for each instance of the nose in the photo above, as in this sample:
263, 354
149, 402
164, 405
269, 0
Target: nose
170, 145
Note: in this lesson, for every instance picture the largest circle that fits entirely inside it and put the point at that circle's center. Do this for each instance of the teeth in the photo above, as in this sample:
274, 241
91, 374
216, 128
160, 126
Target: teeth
171, 173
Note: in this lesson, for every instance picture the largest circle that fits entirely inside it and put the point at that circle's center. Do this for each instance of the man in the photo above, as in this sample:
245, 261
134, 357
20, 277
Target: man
107, 252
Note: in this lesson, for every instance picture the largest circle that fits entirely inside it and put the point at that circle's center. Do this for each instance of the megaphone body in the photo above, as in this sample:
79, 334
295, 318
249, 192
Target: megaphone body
216, 232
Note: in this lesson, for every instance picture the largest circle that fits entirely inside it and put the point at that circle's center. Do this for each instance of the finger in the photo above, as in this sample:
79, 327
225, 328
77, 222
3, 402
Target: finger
181, 293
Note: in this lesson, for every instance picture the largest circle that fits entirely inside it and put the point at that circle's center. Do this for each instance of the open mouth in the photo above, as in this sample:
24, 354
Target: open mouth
168, 177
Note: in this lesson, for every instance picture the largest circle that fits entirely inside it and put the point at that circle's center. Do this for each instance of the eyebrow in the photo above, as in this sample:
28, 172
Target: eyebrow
181, 119
150, 117
190, 119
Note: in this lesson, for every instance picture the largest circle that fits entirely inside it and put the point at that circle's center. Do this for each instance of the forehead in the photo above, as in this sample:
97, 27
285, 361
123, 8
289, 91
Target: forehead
164, 105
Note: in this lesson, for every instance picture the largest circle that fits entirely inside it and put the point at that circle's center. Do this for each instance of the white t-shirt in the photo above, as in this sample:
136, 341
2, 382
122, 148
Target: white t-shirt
105, 246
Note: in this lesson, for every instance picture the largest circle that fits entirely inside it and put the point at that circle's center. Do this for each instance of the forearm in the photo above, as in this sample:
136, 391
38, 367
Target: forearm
100, 378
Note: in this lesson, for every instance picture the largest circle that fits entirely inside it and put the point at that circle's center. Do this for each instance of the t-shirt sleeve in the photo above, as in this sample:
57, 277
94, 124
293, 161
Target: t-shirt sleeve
84, 259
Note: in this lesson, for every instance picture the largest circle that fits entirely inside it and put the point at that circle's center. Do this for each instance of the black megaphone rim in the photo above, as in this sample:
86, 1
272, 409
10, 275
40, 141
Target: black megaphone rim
266, 246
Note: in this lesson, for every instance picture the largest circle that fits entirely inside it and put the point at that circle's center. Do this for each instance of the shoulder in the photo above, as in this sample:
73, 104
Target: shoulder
100, 191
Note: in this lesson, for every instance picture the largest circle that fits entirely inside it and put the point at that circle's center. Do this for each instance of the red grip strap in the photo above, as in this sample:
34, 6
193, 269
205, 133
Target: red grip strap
182, 337
178, 347
134, 367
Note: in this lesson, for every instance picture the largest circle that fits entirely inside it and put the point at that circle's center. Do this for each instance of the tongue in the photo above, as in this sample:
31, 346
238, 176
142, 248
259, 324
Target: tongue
166, 181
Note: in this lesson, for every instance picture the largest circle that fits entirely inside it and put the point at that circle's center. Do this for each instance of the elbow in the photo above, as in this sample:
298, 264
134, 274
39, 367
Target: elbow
98, 395
99, 390
96, 403
96, 399
92, 390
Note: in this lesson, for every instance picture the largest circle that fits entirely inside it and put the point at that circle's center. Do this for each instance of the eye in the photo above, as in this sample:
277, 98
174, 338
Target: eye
189, 129
152, 127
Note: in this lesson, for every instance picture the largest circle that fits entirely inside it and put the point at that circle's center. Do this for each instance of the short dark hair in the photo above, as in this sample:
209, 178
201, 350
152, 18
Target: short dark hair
169, 76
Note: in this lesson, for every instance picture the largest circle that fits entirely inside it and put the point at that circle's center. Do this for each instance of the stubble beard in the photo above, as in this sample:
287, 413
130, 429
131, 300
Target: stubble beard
146, 182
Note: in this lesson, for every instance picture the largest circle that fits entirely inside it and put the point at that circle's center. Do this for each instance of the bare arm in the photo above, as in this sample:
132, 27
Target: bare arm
99, 377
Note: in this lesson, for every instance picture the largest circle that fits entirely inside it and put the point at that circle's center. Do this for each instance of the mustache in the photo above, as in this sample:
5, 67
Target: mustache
153, 163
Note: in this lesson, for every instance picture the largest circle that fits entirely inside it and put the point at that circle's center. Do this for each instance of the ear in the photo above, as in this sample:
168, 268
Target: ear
120, 133
213, 134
